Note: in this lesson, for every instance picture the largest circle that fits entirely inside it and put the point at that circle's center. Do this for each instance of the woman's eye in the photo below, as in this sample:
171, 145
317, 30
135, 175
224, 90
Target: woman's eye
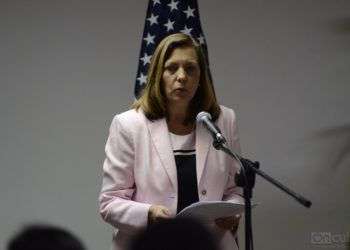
190, 69
171, 68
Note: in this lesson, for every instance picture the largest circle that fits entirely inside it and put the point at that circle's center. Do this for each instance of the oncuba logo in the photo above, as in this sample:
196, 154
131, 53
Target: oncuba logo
323, 238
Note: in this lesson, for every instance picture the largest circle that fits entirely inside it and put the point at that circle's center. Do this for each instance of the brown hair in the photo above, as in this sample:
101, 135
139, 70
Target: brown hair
153, 101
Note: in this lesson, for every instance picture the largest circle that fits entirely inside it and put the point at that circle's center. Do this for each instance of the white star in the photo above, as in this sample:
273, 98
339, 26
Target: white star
155, 2
186, 30
189, 12
201, 39
149, 39
153, 19
146, 59
142, 79
169, 25
173, 5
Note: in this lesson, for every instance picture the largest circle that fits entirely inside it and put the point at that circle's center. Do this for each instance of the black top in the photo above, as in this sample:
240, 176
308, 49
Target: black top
186, 178
185, 159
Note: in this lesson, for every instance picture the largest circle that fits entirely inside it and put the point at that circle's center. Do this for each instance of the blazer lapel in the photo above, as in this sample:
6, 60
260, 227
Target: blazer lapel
160, 136
203, 142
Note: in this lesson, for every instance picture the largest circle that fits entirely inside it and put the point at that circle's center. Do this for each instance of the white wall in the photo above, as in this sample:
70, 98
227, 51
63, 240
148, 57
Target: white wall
66, 67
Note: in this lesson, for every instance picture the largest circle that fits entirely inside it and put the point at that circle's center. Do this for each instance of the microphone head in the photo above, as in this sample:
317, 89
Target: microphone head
203, 115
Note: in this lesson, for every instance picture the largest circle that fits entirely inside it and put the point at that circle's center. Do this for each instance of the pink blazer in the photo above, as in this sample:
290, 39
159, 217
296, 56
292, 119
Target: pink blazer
139, 170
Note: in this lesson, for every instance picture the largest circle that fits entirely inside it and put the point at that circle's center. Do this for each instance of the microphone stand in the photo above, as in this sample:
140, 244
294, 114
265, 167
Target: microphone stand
248, 171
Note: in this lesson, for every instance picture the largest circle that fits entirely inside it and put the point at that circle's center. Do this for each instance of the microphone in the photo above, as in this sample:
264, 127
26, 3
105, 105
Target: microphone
205, 118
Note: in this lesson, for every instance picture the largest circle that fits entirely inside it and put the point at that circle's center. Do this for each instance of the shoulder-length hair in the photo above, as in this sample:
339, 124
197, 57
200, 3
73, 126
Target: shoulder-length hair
153, 101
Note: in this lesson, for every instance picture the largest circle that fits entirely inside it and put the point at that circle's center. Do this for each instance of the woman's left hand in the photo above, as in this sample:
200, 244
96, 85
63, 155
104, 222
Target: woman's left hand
228, 223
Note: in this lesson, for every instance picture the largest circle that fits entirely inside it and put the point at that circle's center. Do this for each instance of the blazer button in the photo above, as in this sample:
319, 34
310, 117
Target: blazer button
204, 192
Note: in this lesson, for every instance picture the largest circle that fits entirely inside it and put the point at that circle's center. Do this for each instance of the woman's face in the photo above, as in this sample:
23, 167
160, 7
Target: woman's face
181, 75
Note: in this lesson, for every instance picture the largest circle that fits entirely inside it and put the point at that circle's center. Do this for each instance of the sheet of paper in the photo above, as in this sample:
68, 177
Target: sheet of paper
208, 211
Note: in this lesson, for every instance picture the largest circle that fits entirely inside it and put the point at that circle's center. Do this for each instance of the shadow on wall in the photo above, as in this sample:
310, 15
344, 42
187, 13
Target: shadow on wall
341, 25
337, 140
322, 158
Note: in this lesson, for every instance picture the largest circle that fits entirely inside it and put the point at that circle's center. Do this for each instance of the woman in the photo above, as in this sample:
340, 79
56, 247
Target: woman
157, 160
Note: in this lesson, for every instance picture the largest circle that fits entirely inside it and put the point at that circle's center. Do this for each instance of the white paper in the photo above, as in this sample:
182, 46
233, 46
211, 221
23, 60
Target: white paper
208, 211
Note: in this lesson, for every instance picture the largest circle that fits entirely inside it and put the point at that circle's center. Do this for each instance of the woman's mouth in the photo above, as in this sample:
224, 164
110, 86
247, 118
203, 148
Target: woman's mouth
180, 90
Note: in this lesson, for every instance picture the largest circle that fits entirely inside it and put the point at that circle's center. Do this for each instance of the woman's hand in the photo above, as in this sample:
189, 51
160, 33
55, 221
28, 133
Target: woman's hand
157, 213
228, 223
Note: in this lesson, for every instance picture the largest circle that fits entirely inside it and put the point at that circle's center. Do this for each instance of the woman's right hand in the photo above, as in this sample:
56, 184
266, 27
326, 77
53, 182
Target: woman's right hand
157, 213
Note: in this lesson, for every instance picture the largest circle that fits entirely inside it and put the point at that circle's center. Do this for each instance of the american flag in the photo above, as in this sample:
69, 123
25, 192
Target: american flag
165, 17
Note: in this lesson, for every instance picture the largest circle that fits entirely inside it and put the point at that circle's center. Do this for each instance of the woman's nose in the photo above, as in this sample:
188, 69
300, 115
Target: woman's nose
181, 74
